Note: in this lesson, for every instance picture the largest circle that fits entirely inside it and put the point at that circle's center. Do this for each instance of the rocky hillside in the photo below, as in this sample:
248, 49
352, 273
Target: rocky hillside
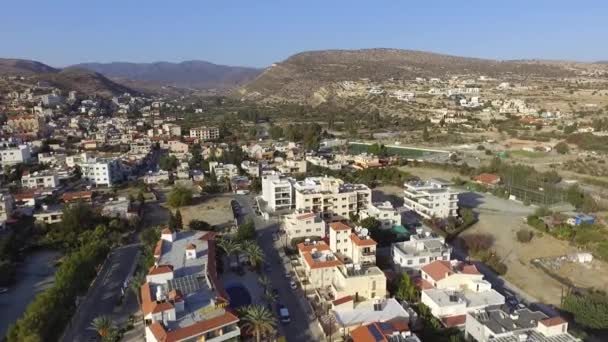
23, 67
303, 75
81, 80
191, 74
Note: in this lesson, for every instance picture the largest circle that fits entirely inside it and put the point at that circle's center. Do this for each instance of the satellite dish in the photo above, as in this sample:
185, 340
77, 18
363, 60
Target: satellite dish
364, 232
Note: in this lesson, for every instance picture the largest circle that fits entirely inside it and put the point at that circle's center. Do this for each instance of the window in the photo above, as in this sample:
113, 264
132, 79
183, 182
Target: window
422, 260
410, 261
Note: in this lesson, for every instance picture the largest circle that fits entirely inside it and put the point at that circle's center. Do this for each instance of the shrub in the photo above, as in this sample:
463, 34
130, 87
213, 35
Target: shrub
524, 235
476, 243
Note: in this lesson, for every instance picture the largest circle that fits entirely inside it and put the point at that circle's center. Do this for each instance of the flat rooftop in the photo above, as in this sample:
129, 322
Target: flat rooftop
470, 299
370, 311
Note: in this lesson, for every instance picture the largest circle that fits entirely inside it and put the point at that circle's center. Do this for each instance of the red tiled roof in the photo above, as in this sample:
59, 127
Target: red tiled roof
487, 178
306, 216
422, 284
25, 195
343, 300
314, 264
167, 231
191, 246
158, 331
454, 321
339, 226
469, 269
201, 327
553, 321
363, 333
76, 195
362, 242
320, 246
160, 269
438, 269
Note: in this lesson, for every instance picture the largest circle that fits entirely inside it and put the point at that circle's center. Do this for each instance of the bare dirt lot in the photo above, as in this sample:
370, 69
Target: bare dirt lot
502, 219
425, 172
214, 210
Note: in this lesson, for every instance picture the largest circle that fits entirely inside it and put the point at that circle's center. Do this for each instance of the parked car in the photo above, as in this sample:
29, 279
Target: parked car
284, 314
293, 285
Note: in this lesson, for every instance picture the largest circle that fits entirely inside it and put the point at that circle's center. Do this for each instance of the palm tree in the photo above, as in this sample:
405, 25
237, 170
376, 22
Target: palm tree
269, 296
135, 285
258, 320
264, 281
254, 253
103, 325
229, 246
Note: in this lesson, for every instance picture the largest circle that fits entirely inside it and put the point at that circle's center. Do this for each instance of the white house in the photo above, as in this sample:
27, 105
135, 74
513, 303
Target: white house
421, 249
277, 191
303, 224
383, 212
40, 179
12, 155
433, 198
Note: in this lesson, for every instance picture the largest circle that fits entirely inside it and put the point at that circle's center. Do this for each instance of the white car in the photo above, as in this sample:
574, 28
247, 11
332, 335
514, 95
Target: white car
293, 285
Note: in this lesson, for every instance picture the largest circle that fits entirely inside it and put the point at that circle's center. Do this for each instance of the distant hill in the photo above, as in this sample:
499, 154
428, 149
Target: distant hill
192, 74
23, 67
301, 75
81, 80
85, 81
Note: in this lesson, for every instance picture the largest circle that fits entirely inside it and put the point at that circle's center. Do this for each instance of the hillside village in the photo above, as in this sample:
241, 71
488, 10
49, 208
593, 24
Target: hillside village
364, 209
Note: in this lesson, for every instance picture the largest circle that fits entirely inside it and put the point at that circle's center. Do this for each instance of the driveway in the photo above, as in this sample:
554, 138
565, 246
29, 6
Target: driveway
301, 328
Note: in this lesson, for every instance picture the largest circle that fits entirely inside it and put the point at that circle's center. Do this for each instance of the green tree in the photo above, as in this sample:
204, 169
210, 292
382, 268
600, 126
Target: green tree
229, 246
140, 198
179, 224
425, 134
253, 252
258, 320
199, 225
589, 310
246, 231
179, 196
276, 132
405, 289
467, 215
102, 325
370, 223
168, 162
562, 148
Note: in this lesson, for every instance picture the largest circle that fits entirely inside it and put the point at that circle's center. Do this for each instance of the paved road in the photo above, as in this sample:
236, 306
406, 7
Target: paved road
103, 295
301, 328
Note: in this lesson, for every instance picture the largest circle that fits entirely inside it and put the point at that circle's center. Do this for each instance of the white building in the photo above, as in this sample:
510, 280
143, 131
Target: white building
100, 171
494, 324
7, 203
331, 196
205, 133
303, 224
421, 249
451, 290
223, 171
433, 198
383, 212
40, 179
182, 298
156, 177
277, 191
12, 155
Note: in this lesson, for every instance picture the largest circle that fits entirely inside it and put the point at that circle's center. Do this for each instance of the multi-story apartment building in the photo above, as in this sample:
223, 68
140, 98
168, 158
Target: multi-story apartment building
101, 171
498, 324
223, 171
383, 212
205, 133
7, 203
292, 166
303, 224
11, 155
433, 198
40, 179
422, 249
277, 191
182, 299
331, 196
28, 124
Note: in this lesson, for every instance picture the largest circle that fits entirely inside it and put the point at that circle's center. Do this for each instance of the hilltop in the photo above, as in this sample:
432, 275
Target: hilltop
306, 74
190, 74
81, 80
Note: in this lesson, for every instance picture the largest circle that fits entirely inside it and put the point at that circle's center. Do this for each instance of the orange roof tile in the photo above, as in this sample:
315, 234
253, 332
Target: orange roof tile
343, 300
76, 195
306, 216
438, 269
158, 250
320, 246
167, 231
553, 321
469, 269
160, 269
158, 331
314, 264
487, 178
191, 246
201, 327
362, 242
339, 226
454, 321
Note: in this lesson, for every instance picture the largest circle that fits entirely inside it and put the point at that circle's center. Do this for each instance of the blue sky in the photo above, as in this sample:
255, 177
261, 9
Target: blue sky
258, 33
